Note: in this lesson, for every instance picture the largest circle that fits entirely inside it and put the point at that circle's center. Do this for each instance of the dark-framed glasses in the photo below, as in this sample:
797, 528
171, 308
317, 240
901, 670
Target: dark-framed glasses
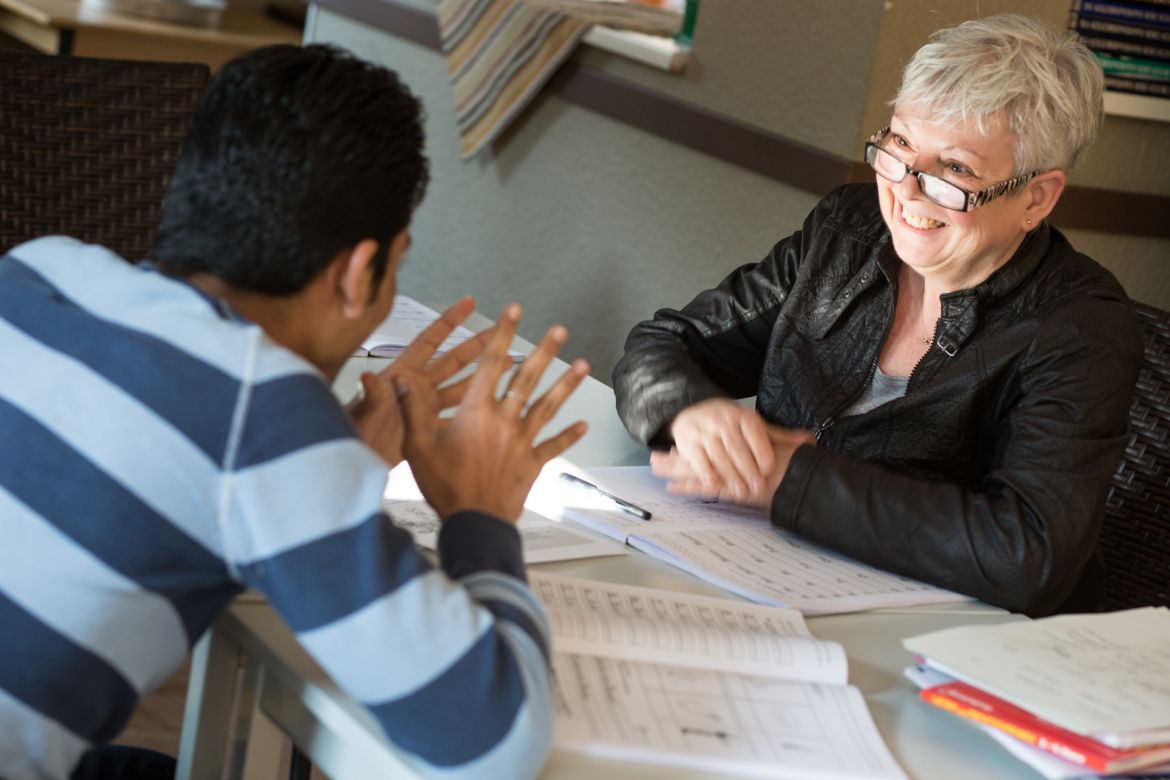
950, 196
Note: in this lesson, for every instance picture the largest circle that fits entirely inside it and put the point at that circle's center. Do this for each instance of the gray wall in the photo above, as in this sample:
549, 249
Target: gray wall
591, 223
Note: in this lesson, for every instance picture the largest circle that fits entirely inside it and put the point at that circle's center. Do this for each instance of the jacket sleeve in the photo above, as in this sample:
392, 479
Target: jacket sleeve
715, 346
1020, 538
451, 661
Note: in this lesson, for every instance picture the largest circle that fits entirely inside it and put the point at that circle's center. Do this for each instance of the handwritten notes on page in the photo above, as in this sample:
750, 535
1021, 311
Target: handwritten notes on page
739, 550
600, 618
1106, 676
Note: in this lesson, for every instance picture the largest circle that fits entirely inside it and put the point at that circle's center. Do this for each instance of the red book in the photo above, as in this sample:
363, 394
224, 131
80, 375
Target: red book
974, 704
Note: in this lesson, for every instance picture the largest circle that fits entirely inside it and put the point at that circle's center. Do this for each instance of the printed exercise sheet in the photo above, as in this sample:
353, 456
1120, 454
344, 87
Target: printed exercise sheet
766, 727
772, 566
625, 621
738, 549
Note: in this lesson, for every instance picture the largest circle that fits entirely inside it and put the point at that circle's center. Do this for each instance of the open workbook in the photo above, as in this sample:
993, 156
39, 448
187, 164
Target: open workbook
407, 320
738, 549
670, 678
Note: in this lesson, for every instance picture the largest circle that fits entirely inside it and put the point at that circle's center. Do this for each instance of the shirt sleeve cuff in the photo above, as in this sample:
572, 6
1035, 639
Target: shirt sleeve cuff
471, 542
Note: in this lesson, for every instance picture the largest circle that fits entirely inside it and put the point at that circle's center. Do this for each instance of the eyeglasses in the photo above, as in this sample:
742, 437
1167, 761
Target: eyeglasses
950, 196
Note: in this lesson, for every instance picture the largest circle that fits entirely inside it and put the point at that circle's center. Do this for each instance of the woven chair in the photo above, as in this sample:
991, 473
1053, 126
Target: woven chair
87, 146
1136, 535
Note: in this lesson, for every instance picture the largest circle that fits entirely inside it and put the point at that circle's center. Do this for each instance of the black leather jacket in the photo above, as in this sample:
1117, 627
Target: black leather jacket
989, 476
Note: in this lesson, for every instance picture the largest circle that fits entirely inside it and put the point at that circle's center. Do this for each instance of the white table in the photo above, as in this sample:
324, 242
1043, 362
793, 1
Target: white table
344, 741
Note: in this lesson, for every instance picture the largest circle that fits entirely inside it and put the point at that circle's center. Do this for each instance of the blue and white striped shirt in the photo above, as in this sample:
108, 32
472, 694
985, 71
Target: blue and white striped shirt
157, 455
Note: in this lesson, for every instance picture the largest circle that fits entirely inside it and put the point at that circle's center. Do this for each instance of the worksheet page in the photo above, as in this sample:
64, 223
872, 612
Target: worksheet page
773, 566
732, 547
760, 726
639, 486
626, 621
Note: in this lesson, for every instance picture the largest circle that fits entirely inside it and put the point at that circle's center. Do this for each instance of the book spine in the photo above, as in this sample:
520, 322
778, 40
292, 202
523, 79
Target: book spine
1023, 733
1137, 86
1128, 13
1128, 67
1085, 24
1126, 48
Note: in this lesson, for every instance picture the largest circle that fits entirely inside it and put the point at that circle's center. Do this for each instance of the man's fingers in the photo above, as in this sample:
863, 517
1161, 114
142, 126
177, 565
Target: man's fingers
545, 407
525, 379
373, 387
550, 448
495, 360
419, 351
452, 394
448, 365
419, 402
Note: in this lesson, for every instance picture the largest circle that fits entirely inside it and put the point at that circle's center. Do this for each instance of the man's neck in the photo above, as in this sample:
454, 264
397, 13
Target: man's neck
286, 319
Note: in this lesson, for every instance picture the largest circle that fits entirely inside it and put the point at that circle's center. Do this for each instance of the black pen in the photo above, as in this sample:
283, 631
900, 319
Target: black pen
623, 505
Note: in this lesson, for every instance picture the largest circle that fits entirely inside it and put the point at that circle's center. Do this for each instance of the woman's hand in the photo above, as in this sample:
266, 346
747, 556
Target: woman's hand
682, 479
724, 446
484, 457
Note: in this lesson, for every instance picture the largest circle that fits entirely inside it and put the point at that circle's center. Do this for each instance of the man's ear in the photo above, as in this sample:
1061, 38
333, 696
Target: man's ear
356, 278
1044, 191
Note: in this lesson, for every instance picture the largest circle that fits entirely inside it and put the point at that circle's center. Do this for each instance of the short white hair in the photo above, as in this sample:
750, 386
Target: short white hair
1046, 85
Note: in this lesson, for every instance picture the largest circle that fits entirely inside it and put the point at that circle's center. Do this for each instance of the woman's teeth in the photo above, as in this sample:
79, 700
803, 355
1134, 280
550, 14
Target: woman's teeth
922, 223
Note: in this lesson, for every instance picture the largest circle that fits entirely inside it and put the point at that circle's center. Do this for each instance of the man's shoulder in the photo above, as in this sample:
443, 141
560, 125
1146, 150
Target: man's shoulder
139, 311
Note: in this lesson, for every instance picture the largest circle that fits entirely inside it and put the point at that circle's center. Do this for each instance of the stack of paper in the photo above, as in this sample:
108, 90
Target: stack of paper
1091, 690
668, 678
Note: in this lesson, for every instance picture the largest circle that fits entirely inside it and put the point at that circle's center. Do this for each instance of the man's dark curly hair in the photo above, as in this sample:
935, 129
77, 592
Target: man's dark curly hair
294, 154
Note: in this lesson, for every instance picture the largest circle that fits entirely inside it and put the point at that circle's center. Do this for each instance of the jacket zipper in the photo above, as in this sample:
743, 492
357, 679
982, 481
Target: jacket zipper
933, 339
827, 423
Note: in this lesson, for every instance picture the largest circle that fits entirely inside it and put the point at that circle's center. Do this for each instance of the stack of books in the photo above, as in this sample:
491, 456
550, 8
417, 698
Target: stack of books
1074, 695
1131, 39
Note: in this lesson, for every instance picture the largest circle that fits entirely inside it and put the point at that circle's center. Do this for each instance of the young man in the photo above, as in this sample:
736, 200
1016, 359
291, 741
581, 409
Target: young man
170, 438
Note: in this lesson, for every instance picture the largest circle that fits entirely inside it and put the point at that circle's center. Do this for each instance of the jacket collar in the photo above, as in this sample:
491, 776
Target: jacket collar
960, 309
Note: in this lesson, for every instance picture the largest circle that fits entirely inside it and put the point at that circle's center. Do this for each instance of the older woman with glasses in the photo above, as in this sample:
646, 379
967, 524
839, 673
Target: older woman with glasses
941, 380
